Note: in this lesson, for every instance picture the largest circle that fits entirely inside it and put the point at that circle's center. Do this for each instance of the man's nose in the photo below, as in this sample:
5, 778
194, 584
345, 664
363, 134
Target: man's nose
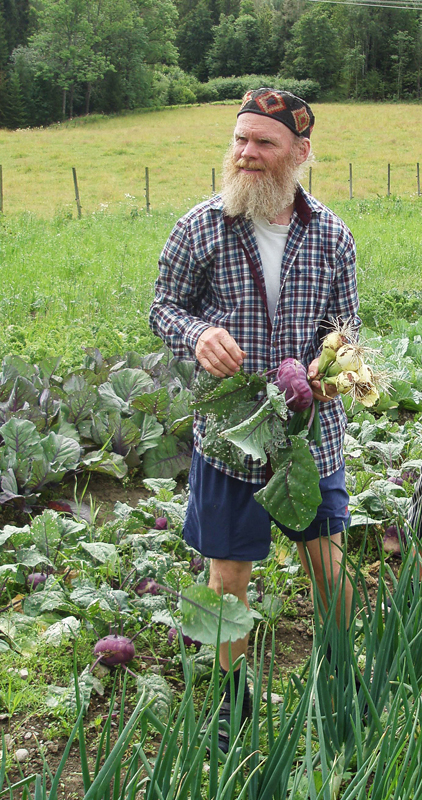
250, 150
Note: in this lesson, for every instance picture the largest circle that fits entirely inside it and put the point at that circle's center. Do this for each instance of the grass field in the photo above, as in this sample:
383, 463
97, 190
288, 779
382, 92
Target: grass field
181, 146
69, 283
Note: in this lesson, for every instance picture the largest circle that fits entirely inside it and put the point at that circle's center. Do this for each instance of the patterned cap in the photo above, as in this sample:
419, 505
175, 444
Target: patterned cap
282, 106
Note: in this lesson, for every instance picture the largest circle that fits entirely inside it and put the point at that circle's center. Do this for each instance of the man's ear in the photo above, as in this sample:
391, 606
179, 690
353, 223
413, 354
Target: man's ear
303, 150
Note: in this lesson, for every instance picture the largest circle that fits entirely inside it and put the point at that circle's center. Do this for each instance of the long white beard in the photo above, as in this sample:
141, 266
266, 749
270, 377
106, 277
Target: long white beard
266, 195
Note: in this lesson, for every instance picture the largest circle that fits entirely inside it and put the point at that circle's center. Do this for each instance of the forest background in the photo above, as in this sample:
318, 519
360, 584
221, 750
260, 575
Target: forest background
61, 58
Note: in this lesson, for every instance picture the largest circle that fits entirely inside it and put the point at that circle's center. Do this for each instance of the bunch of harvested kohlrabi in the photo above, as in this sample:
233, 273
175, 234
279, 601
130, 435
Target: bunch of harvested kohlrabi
342, 364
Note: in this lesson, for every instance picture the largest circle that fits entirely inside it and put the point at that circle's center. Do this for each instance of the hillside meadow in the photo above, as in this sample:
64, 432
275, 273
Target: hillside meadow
181, 145
70, 283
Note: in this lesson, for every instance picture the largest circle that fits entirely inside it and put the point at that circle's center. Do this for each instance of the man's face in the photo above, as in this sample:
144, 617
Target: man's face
261, 169
261, 144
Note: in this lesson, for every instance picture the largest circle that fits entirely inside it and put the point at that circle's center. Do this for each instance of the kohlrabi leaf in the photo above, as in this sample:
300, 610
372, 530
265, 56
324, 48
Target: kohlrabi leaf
101, 551
46, 532
79, 399
107, 463
168, 459
200, 607
214, 445
156, 485
124, 433
182, 428
227, 393
9, 486
123, 387
183, 371
23, 392
21, 438
292, 495
277, 400
41, 474
61, 451
150, 431
253, 434
158, 694
155, 403
19, 534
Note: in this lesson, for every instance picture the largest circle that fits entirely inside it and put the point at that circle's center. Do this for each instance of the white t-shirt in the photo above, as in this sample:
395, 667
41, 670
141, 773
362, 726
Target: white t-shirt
271, 240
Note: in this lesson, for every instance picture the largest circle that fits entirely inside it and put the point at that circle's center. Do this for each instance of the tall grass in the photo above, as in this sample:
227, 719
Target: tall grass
180, 146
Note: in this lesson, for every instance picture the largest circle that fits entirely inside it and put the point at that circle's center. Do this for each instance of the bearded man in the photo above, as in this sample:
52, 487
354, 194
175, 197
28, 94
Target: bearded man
248, 278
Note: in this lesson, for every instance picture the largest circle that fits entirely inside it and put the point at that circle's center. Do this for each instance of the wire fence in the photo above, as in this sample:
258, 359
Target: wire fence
416, 185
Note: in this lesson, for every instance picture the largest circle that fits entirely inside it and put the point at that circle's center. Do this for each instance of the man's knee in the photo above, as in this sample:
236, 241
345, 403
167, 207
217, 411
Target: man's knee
230, 577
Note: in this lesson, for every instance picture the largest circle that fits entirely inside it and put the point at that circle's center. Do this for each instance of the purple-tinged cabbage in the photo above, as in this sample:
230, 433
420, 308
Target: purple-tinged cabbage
172, 636
147, 586
161, 524
114, 650
391, 540
291, 377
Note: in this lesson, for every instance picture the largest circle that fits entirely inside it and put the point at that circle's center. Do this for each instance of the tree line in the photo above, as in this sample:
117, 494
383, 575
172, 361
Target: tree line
61, 58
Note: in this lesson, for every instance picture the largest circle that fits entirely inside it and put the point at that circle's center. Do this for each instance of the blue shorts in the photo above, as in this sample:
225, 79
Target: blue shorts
223, 519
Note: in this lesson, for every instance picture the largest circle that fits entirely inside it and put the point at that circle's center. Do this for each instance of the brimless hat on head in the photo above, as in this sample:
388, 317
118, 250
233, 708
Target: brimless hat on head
282, 106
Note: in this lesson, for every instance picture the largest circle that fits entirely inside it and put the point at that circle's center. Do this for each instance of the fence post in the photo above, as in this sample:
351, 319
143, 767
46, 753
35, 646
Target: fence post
417, 179
213, 180
147, 189
388, 180
78, 202
350, 182
1, 189
310, 180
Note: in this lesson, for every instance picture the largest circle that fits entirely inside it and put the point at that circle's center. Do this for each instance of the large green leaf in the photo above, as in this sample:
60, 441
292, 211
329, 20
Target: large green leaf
123, 387
150, 431
80, 399
21, 438
292, 495
157, 692
154, 403
107, 463
61, 451
166, 460
227, 393
200, 607
253, 434
103, 552
46, 531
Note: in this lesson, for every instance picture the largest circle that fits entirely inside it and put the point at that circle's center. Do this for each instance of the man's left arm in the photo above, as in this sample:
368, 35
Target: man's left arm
342, 306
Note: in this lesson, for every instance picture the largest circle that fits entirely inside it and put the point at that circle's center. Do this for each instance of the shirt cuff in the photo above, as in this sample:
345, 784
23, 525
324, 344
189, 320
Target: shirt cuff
192, 333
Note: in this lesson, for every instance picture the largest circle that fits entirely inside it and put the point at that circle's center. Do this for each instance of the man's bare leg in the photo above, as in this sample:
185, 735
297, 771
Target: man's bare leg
326, 554
233, 577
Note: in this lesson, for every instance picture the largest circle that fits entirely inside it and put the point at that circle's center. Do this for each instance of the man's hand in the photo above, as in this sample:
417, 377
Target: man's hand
330, 391
219, 353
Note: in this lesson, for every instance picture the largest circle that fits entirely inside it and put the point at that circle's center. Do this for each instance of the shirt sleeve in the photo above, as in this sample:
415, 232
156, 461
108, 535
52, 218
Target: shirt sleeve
178, 289
343, 302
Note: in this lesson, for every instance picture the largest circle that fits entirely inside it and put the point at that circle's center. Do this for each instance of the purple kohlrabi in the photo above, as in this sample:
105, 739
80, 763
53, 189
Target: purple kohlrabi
291, 377
114, 650
147, 586
172, 636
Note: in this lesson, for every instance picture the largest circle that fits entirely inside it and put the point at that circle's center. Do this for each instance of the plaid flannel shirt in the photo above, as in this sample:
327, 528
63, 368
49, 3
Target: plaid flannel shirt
211, 275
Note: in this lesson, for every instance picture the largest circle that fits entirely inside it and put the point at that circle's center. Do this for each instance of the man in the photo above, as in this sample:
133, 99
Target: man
249, 278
